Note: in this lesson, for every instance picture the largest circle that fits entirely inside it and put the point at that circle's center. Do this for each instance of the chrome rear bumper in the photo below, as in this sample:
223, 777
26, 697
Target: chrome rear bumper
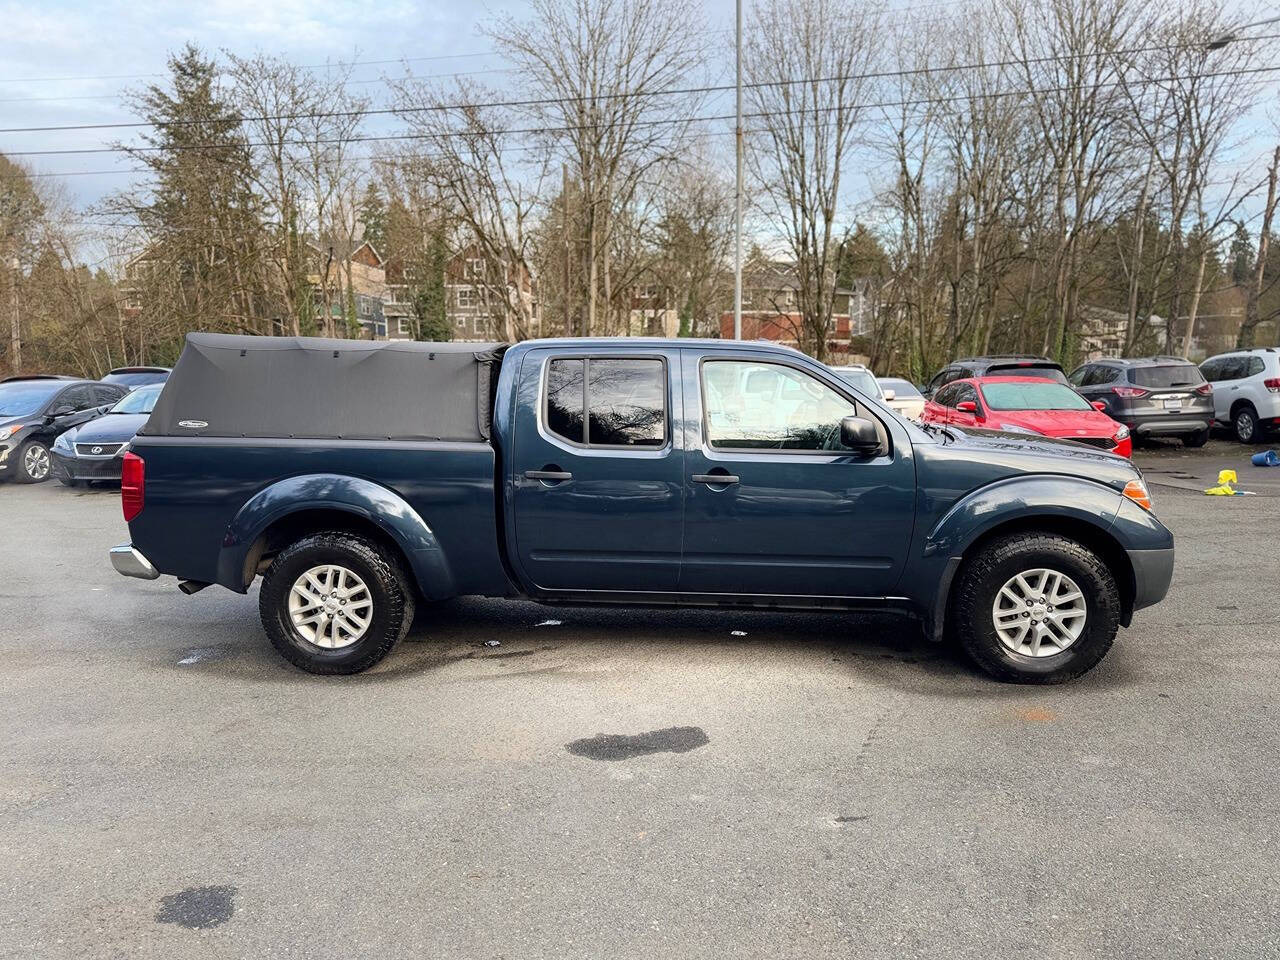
131, 563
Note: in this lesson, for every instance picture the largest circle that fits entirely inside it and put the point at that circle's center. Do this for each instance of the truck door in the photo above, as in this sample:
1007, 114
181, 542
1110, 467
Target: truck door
774, 506
597, 475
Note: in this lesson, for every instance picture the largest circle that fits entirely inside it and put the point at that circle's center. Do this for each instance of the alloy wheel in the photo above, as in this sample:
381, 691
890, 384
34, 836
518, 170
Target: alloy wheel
36, 462
330, 606
1039, 613
1244, 426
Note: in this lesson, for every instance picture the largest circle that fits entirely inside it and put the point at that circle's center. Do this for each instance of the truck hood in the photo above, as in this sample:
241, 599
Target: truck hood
991, 455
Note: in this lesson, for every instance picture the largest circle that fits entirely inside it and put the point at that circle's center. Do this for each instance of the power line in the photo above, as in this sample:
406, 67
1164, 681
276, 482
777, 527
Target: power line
545, 101
308, 66
537, 131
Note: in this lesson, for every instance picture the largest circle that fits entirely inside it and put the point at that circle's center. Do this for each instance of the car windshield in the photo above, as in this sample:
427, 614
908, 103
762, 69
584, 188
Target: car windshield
902, 389
140, 401
135, 379
26, 397
1167, 375
860, 379
1032, 395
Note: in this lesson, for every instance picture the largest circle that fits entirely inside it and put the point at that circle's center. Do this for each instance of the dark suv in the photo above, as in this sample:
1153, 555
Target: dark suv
34, 410
996, 365
1152, 396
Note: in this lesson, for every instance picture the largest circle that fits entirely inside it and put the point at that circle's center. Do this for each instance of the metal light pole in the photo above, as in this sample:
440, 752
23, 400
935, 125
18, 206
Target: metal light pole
737, 193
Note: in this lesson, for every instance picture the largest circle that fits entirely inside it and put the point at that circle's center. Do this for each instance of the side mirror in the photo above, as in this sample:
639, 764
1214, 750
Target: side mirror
890, 394
1099, 406
967, 406
860, 435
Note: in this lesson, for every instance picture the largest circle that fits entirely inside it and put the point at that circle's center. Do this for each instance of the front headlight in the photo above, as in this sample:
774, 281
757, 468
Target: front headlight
63, 443
1122, 433
124, 448
9, 431
1015, 428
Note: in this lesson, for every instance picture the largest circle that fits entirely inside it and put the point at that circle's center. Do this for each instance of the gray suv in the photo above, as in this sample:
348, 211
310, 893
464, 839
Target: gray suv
1152, 396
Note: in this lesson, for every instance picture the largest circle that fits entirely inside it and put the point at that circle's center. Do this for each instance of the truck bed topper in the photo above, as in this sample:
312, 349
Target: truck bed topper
307, 387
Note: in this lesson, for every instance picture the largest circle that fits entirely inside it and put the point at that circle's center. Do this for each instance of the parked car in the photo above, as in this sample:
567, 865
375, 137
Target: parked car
1152, 396
35, 410
903, 396
96, 450
1008, 364
861, 378
1246, 391
1027, 405
133, 377
650, 472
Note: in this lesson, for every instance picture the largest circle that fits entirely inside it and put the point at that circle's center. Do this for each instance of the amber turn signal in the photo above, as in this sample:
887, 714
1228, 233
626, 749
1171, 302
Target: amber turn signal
1136, 491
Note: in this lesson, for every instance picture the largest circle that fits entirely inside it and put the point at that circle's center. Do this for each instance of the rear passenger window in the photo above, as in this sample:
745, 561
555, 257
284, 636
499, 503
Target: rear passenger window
1256, 366
624, 402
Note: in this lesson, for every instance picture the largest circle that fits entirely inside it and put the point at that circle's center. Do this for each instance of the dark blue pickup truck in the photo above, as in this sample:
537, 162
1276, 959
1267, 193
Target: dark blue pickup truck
362, 479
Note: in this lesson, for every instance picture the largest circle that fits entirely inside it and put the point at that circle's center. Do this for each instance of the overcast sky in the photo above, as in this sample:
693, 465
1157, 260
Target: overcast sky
67, 62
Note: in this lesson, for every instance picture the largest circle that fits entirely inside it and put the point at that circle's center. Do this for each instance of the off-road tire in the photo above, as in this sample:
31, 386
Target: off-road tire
984, 573
21, 474
1197, 439
388, 585
1245, 426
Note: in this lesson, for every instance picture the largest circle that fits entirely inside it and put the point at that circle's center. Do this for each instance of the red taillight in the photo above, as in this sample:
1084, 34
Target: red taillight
1205, 389
132, 485
1272, 384
1129, 392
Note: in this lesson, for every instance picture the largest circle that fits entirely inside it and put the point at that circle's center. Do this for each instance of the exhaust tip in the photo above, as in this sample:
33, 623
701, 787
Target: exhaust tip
191, 586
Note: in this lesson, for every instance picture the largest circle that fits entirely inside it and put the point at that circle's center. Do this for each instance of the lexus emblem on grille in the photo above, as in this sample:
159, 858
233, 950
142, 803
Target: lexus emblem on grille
96, 450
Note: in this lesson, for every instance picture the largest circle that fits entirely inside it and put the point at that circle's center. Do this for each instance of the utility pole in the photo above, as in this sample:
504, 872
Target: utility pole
737, 192
564, 231
15, 325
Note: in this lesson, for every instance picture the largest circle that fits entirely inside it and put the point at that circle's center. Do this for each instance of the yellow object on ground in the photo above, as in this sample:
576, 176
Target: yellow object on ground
1224, 489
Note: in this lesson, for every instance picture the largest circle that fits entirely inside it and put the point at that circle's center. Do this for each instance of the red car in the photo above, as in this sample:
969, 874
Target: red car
1027, 404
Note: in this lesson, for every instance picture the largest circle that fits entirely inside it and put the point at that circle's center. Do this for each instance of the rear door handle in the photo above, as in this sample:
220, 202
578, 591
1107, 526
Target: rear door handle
548, 475
714, 478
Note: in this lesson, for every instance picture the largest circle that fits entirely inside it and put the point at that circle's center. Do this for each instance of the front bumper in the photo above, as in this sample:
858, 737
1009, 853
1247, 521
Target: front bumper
8, 457
1152, 574
130, 562
86, 468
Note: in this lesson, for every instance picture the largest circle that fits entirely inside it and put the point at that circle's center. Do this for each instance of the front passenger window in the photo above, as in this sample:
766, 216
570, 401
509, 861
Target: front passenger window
768, 406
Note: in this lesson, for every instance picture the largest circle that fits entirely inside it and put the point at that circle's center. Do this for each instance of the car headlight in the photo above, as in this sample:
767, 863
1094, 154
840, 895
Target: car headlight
9, 431
124, 448
1014, 428
63, 443
1122, 433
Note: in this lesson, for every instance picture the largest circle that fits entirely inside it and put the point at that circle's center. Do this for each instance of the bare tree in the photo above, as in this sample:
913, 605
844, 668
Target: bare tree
807, 63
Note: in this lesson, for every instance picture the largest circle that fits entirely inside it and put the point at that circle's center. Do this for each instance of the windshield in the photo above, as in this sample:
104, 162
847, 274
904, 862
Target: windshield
140, 401
1169, 375
137, 378
26, 397
903, 389
860, 379
1032, 395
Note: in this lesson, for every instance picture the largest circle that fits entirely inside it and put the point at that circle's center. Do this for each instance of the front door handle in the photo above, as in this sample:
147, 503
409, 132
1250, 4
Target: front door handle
714, 478
553, 475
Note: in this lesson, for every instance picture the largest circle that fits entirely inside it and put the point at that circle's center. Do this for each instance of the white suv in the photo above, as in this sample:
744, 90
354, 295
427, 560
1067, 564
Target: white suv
1246, 391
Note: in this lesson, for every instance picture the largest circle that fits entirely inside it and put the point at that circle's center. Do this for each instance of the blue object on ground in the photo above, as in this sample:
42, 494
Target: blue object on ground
1267, 458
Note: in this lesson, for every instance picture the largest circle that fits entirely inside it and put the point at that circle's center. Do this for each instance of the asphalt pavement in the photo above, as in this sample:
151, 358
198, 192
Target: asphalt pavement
617, 783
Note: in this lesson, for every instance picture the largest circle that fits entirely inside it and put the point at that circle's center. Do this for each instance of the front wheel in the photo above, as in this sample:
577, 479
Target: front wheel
1036, 608
34, 462
335, 603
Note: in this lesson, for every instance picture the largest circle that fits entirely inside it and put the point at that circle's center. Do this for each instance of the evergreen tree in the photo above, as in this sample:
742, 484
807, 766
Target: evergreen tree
429, 304
373, 217
1241, 254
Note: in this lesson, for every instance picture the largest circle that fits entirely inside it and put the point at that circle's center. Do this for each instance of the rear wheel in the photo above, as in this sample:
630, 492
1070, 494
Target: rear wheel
1036, 608
1195, 440
335, 603
1245, 423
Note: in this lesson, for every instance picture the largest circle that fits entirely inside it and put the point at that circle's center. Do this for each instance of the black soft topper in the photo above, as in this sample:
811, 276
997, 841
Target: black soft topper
237, 386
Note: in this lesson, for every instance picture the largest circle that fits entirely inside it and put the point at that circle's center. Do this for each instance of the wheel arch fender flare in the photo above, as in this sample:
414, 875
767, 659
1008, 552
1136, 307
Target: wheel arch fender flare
1075, 507
371, 502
